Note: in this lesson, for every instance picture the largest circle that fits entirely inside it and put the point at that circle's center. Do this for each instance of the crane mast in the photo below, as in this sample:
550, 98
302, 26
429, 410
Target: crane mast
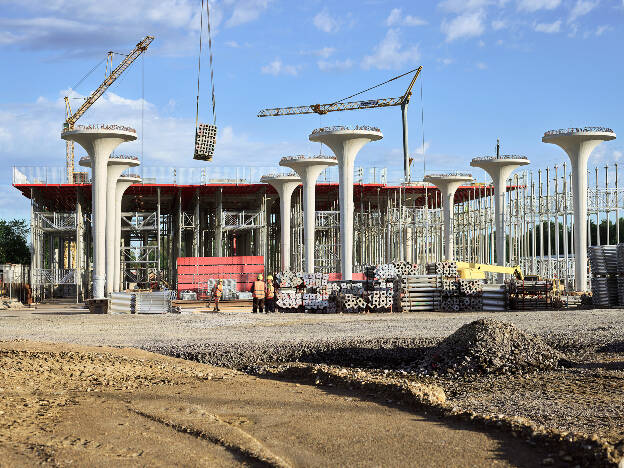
71, 118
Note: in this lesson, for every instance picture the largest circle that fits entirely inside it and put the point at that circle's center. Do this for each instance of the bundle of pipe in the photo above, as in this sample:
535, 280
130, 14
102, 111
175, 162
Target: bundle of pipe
443, 269
605, 291
350, 303
315, 280
154, 302
461, 295
417, 293
289, 279
494, 297
122, 303
315, 301
288, 300
381, 298
605, 266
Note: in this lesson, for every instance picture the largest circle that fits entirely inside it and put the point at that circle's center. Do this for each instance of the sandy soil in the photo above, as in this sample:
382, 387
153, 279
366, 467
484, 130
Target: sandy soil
70, 405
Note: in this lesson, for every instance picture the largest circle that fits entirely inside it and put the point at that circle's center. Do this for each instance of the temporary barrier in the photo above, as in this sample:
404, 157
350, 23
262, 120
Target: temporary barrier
238, 273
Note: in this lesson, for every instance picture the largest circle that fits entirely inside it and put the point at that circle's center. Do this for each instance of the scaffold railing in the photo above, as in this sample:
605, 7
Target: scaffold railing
571, 131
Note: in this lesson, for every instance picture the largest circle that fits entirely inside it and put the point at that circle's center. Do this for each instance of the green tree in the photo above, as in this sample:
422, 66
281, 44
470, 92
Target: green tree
13, 244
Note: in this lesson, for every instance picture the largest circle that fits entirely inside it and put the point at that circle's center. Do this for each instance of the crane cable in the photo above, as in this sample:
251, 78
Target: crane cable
201, 33
376, 86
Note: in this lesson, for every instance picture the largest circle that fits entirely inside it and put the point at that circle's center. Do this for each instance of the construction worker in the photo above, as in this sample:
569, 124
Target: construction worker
258, 295
270, 295
217, 291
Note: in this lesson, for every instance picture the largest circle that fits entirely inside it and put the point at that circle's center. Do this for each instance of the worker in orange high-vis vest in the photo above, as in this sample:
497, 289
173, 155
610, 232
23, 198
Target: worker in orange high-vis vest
259, 295
270, 295
217, 291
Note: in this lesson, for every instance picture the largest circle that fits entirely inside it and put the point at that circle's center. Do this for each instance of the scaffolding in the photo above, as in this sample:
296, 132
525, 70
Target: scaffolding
240, 216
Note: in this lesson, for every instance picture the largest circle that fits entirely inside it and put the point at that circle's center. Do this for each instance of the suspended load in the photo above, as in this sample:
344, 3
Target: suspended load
205, 139
205, 134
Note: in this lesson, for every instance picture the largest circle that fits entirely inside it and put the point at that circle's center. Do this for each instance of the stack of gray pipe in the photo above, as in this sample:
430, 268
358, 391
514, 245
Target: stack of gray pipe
461, 295
494, 297
418, 293
443, 269
381, 298
153, 302
122, 303
288, 300
289, 279
605, 266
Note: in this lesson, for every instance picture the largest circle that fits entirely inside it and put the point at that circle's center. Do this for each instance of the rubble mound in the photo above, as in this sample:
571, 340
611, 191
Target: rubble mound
489, 346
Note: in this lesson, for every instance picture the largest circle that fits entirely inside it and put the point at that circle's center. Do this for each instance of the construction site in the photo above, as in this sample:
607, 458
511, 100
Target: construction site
469, 317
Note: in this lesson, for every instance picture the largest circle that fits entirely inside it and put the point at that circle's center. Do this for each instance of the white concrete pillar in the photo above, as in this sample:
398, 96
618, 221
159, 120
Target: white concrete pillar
500, 168
99, 143
579, 143
123, 183
308, 169
285, 185
448, 185
346, 143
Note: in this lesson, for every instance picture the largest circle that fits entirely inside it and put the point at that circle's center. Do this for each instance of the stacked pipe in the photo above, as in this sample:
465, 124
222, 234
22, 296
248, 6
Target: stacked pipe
350, 303
605, 264
289, 279
390, 271
443, 269
381, 298
461, 295
417, 293
494, 297
288, 300
620, 273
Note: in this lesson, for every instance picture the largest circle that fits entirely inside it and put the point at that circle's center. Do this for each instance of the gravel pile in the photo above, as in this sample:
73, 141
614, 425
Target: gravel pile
489, 346
367, 353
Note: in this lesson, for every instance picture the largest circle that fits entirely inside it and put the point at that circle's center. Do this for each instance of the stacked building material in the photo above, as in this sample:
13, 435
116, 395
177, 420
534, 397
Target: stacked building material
532, 295
122, 303
154, 302
461, 295
380, 298
417, 293
289, 279
494, 297
350, 303
390, 271
605, 264
448, 269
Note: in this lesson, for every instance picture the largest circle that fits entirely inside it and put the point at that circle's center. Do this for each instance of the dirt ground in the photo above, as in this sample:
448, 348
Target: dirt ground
70, 405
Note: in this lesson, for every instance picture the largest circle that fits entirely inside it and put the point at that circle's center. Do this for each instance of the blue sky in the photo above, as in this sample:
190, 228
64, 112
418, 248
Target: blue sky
507, 69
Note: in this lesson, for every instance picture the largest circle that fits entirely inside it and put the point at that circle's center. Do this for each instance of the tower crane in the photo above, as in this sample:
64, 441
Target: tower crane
72, 117
341, 105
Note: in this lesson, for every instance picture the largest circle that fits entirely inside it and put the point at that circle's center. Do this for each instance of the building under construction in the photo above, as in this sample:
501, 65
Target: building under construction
229, 212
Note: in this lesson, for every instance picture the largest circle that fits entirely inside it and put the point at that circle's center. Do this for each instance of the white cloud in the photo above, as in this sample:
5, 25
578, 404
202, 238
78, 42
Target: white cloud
336, 65
79, 28
461, 6
277, 67
481, 66
600, 30
465, 25
232, 44
445, 61
325, 22
548, 28
535, 5
245, 11
581, 8
390, 54
397, 18
325, 52
421, 150
497, 25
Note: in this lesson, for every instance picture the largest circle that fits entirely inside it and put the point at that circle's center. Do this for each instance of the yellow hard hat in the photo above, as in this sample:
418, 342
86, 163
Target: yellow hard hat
220, 280
269, 277
259, 277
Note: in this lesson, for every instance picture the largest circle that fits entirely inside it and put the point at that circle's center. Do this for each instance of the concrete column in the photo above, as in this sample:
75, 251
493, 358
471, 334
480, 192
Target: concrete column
500, 168
285, 185
99, 143
123, 183
308, 169
346, 143
116, 166
579, 143
448, 185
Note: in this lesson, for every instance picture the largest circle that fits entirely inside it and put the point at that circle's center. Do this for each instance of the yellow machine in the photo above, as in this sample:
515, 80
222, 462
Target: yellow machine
477, 270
